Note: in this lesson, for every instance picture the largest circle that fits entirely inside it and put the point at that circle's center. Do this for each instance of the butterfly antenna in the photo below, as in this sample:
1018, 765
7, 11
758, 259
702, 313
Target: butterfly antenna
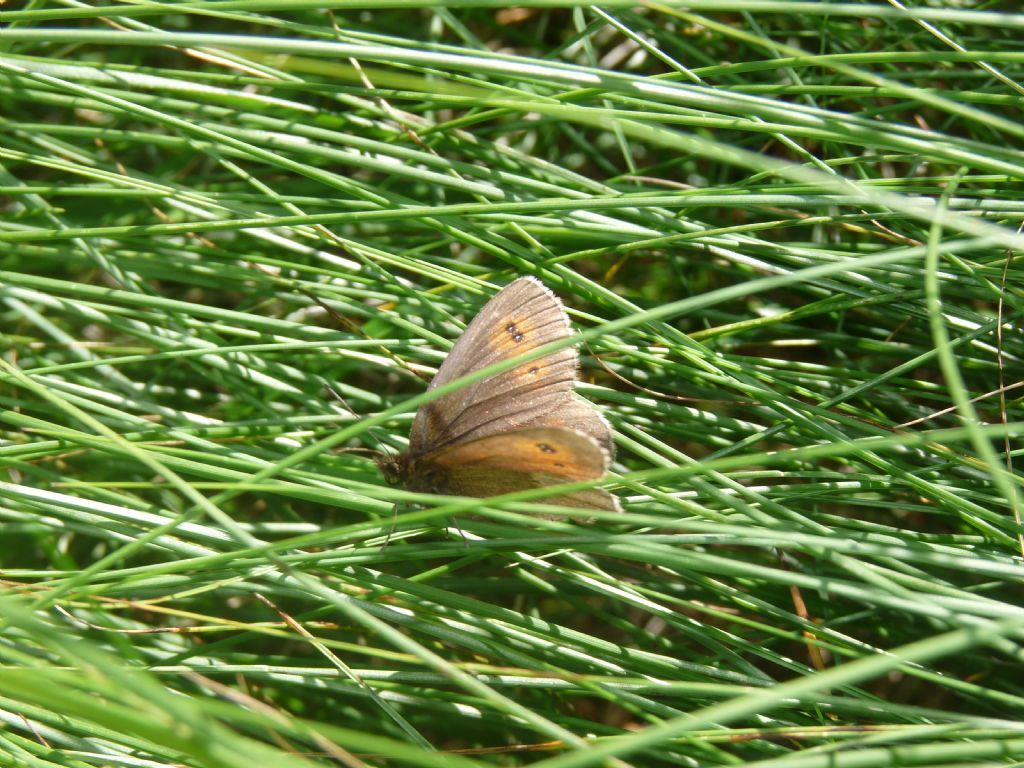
382, 447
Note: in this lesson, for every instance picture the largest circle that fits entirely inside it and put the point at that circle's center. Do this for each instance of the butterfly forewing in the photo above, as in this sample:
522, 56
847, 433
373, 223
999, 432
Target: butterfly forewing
523, 316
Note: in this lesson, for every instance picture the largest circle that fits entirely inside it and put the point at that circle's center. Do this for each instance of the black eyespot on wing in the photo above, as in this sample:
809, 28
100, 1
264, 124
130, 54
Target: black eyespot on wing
534, 370
513, 330
545, 448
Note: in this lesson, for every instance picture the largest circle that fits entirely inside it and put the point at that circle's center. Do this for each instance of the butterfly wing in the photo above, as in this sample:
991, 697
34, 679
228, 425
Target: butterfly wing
525, 458
521, 317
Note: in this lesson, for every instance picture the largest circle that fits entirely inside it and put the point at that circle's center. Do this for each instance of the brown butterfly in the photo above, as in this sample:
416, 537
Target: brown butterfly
523, 428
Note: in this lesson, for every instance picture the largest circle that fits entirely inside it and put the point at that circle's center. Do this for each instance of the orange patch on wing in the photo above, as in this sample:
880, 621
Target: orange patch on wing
562, 453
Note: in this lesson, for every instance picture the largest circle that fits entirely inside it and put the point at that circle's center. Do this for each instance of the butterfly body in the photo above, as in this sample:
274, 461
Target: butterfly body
522, 428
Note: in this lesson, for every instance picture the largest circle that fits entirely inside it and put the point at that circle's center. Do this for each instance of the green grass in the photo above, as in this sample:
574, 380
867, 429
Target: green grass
786, 234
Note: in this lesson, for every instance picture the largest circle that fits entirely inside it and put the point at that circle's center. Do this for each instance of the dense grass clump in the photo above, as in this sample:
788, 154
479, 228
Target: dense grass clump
237, 243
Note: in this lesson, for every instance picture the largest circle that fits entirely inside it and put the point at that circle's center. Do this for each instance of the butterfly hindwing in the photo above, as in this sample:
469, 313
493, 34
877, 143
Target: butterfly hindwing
525, 458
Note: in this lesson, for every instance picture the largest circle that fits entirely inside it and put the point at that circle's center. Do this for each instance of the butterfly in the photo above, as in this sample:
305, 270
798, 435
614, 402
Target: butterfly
522, 428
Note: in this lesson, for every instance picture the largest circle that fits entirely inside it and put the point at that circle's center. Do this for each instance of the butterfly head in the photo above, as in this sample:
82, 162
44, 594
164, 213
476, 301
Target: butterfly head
394, 467
417, 476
